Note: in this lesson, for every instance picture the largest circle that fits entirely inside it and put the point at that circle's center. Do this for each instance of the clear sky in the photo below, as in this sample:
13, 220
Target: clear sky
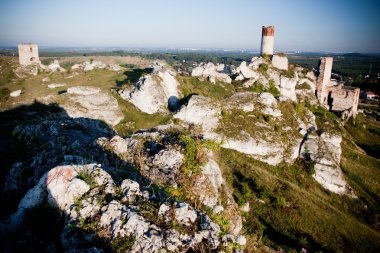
305, 25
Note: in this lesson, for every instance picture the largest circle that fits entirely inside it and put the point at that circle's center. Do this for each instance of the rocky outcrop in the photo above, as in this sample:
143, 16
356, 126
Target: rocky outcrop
78, 191
197, 110
325, 151
280, 62
212, 72
89, 102
155, 92
261, 142
55, 66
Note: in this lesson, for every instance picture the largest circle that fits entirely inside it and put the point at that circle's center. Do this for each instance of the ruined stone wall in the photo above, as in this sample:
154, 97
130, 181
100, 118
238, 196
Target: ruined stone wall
341, 98
28, 54
324, 77
267, 40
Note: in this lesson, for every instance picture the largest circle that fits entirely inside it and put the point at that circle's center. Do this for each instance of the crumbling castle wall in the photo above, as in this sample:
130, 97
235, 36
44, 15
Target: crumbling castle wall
28, 54
335, 97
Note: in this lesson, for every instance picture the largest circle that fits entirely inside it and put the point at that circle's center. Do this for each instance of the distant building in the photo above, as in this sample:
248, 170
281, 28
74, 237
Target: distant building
28, 54
267, 40
337, 98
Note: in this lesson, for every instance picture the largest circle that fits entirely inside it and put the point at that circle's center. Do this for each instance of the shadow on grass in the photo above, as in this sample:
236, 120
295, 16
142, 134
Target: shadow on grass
133, 75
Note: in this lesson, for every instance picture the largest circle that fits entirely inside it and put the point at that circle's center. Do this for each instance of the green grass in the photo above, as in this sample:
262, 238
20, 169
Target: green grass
134, 119
297, 212
366, 132
192, 85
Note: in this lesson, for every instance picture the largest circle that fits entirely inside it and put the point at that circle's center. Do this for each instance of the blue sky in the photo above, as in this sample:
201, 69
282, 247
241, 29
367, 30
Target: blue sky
305, 25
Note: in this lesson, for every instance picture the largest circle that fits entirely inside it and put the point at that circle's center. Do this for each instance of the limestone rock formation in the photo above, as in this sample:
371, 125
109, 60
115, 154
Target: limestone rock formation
325, 151
212, 72
280, 62
89, 102
155, 92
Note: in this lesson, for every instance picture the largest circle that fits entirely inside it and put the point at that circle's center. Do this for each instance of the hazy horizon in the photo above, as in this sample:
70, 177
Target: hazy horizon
323, 26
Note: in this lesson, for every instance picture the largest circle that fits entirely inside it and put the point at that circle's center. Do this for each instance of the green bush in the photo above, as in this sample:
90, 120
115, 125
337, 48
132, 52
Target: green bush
303, 86
263, 68
273, 89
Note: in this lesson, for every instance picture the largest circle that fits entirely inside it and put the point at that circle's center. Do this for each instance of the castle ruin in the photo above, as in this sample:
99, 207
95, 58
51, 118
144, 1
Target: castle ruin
28, 53
337, 98
267, 40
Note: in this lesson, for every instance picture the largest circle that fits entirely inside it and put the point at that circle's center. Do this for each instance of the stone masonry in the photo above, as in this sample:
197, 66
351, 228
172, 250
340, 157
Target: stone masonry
28, 54
340, 99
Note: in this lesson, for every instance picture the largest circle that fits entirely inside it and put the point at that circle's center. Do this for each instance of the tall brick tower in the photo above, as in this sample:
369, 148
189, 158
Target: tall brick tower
267, 40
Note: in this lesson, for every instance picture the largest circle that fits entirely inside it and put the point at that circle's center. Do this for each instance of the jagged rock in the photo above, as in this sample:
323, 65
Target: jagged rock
211, 231
164, 166
247, 72
267, 99
256, 62
208, 183
197, 110
288, 87
280, 62
45, 79
212, 72
15, 93
155, 92
130, 189
54, 67
325, 151
88, 102
185, 214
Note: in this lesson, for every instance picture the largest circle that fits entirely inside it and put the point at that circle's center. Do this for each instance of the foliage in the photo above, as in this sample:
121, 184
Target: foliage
273, 89
303, 86
263, 68
194, 154
123, 244
87, 178
192, 85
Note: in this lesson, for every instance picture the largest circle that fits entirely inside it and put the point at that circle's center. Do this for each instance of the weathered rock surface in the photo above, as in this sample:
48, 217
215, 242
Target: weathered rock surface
325, 151
15, 93
155, 92
212, 72
280, 62
54, 67
89, 102
55, 85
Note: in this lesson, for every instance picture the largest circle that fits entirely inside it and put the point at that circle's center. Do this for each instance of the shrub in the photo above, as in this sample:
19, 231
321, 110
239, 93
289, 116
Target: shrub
263, 68
273, 89
303, 86
256, 87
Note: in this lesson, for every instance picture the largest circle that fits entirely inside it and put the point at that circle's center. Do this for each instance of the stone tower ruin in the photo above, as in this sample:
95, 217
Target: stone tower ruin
267, 40
28, 53
336, 97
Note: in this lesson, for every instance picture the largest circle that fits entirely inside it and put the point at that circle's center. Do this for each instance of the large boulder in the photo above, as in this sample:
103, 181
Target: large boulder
325, 151
155, 92
213, 73
247, 72
280, 62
